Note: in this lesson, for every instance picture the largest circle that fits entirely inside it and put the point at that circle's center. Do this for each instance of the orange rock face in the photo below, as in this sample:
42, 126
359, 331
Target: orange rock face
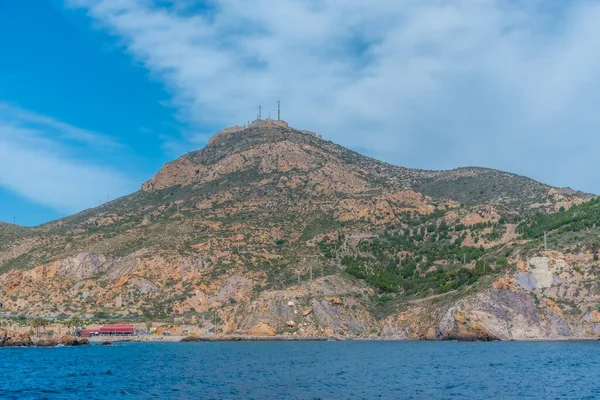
14, 339
504, 282
262, 329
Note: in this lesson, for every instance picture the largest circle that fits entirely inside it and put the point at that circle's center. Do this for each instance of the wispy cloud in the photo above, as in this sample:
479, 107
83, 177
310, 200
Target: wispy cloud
505, 84
16, 116
52, 163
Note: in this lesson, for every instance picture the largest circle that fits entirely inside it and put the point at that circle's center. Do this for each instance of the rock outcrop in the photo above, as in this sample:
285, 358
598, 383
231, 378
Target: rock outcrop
67, 341
22, 339
14, 339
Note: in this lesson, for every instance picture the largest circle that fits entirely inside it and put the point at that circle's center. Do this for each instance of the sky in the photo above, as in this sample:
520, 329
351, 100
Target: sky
96, 95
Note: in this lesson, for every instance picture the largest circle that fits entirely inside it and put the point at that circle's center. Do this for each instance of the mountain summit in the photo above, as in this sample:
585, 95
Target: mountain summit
277, 230
272, 148
268, 147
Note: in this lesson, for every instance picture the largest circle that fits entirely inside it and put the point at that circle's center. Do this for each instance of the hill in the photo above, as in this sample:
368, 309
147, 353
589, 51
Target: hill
273, 229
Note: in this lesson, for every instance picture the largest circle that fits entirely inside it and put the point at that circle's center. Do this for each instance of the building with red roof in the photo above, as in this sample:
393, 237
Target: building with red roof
86, 333
117, 329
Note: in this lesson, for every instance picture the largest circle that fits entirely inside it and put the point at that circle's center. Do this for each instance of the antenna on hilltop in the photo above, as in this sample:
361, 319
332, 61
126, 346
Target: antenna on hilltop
259, 112
278, 110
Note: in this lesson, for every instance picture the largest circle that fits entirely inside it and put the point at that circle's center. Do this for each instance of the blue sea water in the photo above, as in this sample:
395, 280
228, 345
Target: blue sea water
305, 370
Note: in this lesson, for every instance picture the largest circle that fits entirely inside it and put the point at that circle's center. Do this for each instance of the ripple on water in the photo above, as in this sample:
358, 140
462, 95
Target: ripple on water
353, 370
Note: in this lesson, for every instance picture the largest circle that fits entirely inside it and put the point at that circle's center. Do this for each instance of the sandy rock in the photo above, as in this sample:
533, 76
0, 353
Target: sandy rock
262, 329
504, 282
14, 339
334, 300
307, 312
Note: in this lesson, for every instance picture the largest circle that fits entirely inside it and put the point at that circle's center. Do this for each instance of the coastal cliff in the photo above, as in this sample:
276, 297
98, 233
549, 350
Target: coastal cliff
273, 231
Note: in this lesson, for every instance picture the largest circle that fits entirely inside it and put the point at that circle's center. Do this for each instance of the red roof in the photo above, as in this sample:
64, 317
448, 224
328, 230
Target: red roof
117, 328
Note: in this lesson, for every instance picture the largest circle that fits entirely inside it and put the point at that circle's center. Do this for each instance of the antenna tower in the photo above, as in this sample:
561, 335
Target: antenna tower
278, 110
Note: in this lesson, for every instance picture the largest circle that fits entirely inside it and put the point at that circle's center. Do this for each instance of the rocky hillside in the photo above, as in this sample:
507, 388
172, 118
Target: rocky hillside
272, 230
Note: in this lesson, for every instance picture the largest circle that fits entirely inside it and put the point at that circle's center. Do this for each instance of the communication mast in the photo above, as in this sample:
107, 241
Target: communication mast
278, 110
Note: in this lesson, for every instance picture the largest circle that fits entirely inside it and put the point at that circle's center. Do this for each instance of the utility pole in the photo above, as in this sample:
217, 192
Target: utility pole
464, 258
309, 269
215, 322
545, 241
310, 266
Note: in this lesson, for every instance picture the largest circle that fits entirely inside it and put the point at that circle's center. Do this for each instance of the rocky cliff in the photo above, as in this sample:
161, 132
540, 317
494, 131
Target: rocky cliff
13, 339
20, 339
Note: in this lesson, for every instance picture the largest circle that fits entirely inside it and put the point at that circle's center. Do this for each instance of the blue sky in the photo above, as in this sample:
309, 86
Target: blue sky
96, 95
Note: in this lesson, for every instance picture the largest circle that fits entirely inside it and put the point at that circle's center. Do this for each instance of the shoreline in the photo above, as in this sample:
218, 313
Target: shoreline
245, 338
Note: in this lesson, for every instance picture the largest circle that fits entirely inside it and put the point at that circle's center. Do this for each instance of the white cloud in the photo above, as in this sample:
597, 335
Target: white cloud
14, 115
52, 163
423, 83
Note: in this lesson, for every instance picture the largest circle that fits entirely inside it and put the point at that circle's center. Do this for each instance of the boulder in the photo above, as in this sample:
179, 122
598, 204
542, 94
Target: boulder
73, 341
334, 300
306, 312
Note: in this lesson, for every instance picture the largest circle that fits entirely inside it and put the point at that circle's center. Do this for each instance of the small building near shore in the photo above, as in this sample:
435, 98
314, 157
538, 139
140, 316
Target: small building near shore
86, 333
117, 330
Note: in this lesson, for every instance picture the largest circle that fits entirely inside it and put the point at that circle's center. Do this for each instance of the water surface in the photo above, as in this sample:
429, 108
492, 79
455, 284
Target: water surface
305, 370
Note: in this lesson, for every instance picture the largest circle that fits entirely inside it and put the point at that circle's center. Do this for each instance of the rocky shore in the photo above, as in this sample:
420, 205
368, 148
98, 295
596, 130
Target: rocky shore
67, 341
16, 339
245, 338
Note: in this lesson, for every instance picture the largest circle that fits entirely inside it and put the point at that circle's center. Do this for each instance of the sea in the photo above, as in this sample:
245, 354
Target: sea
304, 370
